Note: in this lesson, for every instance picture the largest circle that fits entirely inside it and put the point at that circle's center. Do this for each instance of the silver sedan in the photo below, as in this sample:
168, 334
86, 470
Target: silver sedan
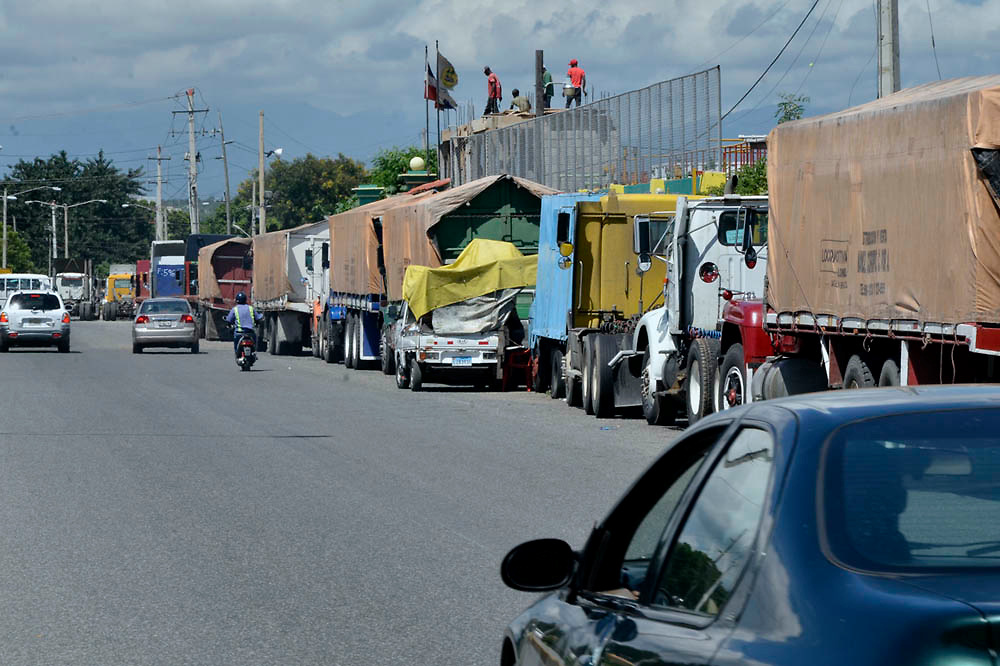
164, 322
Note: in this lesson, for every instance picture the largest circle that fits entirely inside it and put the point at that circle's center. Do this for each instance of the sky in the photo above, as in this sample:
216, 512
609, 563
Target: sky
347, 77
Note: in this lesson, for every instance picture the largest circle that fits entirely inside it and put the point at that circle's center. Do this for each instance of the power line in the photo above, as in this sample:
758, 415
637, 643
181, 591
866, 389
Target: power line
815, 60
816, 2
933, 46
738, 41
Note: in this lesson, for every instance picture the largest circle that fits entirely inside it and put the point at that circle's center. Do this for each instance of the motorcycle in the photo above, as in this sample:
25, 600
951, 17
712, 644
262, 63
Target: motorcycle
246, 352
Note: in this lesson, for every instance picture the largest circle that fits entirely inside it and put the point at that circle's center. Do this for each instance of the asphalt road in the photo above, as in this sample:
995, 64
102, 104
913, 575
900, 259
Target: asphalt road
165, 508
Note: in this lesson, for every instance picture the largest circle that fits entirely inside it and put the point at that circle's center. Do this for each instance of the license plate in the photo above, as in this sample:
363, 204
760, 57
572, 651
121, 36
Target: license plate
164, 324
462, 360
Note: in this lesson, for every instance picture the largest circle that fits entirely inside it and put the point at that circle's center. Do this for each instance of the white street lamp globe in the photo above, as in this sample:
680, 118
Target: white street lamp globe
417, 164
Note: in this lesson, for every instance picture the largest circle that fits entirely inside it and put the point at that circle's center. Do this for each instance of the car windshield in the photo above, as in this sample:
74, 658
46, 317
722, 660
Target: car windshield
33, 302
915, 492
164, 307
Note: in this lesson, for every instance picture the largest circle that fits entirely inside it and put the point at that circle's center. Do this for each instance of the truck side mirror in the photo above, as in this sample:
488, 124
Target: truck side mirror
326, 255
644, 264
640, 229
309, 260
750, 257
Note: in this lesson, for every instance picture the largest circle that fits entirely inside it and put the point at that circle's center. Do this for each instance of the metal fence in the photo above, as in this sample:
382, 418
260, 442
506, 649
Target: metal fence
662, 131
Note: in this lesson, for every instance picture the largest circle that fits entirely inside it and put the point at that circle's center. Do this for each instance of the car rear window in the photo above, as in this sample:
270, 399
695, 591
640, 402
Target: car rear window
33, 302
915, 492
164, 307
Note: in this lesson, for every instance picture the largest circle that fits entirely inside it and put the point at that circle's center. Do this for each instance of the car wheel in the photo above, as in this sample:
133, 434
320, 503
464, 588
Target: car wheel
857, 374
136, 348
3, 346
889, 375
699, 382
64, 346
655, 408
416, 376
386, 355
587, 385
557, 383
733, 389
195, 347
602, 390
402, 380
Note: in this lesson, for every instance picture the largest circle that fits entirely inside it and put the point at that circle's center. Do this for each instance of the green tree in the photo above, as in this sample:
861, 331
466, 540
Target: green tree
179, 224
98, 231
18, 254
389, 163
791, 107
751, 180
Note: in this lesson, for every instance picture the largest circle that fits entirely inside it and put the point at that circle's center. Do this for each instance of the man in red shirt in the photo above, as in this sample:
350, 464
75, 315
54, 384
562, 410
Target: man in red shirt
577, 79
493, 93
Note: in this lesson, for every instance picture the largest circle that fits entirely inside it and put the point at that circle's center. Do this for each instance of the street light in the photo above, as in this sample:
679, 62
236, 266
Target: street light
52, 206
13, 197
240, 229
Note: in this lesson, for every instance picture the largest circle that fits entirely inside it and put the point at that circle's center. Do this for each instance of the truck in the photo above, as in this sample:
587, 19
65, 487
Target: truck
76, 284
224, 270
627, 312
166, 268
371, 255
289, 269
458, 322
119, 295
884, 269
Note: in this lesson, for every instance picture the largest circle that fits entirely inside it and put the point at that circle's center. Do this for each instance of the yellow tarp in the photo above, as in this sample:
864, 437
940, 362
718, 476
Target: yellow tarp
485, 266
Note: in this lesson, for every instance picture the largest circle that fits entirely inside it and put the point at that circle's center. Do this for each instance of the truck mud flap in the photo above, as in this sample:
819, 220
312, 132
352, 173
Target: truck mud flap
628, 380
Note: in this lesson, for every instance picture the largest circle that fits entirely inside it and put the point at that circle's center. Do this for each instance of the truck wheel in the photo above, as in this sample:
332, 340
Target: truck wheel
272, 335
416, 376
359, 343
587, 384
655, 408
387, 356
733, 390
602, 389
557, 383
352, 327
329, 342
698, 384
104, 312
314, 339
347, 335
539, 371
402, 379
857, 374
114, 311
890, 374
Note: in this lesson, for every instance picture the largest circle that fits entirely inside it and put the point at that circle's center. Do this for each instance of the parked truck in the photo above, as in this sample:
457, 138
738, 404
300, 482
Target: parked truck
119, 295
884, 266
457, 323
77, 286
224, 270
627, 311
166, 268
289, 271
426, 230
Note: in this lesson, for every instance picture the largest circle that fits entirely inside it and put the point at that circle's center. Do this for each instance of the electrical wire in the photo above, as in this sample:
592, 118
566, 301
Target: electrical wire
933, 45
815, 60
737, 42
764, 73
850, 96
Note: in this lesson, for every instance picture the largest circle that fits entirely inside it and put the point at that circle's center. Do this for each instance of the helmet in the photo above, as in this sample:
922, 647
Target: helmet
241, 298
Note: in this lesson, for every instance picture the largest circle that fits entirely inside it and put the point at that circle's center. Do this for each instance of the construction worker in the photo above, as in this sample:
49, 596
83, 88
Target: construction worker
578, 81
547, 90
493, 92
522, 104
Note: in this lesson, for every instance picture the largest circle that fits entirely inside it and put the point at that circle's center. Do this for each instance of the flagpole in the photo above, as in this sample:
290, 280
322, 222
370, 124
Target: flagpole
437, 106
427, 108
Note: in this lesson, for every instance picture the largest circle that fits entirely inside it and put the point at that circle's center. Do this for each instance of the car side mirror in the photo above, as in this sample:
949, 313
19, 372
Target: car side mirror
539, 566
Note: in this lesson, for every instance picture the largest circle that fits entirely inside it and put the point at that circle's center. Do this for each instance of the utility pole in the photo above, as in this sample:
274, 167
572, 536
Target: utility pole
55, 247
161, 222
539, 86
260, 176
225, 169
192, 163
66, 231
888, 47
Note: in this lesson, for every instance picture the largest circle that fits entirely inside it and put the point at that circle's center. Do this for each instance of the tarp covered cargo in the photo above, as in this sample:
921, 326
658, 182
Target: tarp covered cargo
880, 211
224, 257
354, 245
271, 263
483, 267
408, 231
474, 316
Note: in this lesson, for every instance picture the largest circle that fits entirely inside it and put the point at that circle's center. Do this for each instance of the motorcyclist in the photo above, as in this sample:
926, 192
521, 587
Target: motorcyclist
243, 318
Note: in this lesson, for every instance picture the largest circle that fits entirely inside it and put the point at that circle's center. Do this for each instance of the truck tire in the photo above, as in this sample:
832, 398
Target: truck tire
402, 379
586, 382
602, 389
329, 342
699, 382
539, 370
890, 374
416, 376
314, 340
272, 334
655, 408
857, 374
386, 355
557, 382
733, 382
352, 327
358, 342
346, 330
114, 311
104, 311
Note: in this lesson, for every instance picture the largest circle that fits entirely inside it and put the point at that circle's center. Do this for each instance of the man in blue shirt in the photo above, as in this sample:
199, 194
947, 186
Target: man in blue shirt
243, 318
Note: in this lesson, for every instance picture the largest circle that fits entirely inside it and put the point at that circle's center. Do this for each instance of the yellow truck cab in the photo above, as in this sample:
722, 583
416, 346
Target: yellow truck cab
119, 297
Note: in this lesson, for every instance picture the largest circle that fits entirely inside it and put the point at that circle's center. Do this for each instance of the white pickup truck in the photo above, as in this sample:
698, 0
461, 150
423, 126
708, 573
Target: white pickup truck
424, 352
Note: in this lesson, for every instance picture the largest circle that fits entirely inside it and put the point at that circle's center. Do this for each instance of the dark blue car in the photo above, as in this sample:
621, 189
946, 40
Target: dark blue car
852, 527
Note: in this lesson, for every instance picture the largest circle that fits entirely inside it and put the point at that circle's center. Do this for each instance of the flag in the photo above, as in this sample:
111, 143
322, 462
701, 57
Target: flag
444, 100
446, 72
430, 85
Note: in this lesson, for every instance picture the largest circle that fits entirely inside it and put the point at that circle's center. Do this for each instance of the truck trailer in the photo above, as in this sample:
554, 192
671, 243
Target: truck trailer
224, 270
884, 268
166, 268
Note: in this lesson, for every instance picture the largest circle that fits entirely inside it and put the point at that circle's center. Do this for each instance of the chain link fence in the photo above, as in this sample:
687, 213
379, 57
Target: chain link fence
661, 131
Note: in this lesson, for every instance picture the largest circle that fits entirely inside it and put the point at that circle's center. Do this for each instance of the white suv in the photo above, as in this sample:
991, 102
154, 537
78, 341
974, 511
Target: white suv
34, 319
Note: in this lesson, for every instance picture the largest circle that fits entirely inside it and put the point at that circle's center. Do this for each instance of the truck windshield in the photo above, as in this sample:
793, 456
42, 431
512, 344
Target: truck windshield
910, 493
123, 283
33, 302
71, 282
730, 232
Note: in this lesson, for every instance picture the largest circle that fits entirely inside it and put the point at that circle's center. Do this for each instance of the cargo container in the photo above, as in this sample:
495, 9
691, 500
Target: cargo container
224, 270
166, 270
